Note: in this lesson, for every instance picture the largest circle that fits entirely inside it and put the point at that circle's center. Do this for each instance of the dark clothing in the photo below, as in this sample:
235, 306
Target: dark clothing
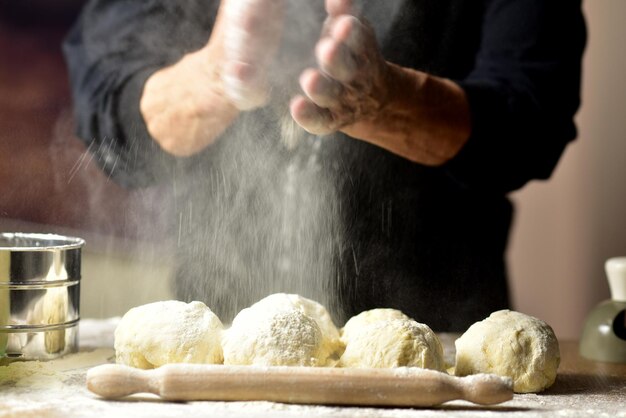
381, 231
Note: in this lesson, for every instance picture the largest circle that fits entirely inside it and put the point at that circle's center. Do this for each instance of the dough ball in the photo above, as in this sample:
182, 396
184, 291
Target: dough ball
159, 333
392, 343
273, 337
331, 341
357, 322
510, 344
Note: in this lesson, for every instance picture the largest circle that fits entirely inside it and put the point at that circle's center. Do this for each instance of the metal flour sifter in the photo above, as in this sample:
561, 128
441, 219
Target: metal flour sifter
39, 295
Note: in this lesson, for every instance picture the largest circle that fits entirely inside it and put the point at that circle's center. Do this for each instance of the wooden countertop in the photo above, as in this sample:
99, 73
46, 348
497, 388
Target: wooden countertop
57, 389
572, 362
576, 372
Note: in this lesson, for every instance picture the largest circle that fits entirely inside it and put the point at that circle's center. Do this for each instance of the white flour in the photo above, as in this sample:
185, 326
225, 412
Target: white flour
57, 389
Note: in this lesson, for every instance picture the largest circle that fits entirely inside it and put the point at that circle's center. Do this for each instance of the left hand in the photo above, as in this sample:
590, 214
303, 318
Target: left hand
351, 84
418, 116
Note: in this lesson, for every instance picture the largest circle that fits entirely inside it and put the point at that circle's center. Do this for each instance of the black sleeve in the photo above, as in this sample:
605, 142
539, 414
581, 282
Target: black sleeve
523, 93
111, 51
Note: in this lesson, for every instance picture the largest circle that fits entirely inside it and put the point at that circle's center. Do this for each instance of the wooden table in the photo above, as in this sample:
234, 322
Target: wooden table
577, 374
57, 389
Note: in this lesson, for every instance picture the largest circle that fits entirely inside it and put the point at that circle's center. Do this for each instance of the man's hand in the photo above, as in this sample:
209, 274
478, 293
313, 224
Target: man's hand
251, 31
354, 90
188, 105
350, 84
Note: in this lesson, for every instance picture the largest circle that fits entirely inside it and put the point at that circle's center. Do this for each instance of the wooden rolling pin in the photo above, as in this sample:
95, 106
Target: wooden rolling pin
411, 387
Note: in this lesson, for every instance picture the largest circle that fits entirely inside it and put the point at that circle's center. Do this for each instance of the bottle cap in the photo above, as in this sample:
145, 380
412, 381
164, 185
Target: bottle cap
616, 272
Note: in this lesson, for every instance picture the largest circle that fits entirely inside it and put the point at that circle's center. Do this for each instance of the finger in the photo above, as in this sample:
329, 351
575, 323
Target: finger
241, 72
311, 118
336, 60
263, 26
241, 45
244, 85
338, 7
350, 31
321, 90
253, 13
254, 28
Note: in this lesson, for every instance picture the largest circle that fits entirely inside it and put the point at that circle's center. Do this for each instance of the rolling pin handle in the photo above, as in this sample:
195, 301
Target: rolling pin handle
114, 381
487, 389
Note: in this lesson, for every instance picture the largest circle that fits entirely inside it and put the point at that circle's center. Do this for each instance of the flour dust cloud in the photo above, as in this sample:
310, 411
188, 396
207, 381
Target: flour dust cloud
260, 214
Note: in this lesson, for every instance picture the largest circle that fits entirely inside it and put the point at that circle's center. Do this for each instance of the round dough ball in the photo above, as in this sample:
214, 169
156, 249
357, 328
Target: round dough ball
263, 337
285, 301
159, 333
357, 322
513, 344
393, 343
331, 341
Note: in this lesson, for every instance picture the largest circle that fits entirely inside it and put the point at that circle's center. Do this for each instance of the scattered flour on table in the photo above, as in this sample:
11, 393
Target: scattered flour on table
28, 410
51, 374
70, 398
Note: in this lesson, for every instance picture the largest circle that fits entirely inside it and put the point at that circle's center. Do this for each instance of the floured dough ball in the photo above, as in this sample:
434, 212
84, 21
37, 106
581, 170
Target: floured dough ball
332, 346
273, 337
357, 322
159, 333
510, 344
392, 343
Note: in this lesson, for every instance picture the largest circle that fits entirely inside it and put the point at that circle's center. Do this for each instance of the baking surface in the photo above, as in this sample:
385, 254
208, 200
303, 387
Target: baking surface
57, 389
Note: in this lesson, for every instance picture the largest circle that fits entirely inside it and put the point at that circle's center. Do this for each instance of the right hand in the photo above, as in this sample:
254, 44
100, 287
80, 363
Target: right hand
250, 33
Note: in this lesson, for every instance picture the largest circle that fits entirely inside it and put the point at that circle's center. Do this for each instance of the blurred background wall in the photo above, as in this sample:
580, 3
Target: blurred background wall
50, 183
564, 228
567, 227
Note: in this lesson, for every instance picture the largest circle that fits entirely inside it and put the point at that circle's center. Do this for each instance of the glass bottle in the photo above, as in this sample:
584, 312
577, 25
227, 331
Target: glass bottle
604, 334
